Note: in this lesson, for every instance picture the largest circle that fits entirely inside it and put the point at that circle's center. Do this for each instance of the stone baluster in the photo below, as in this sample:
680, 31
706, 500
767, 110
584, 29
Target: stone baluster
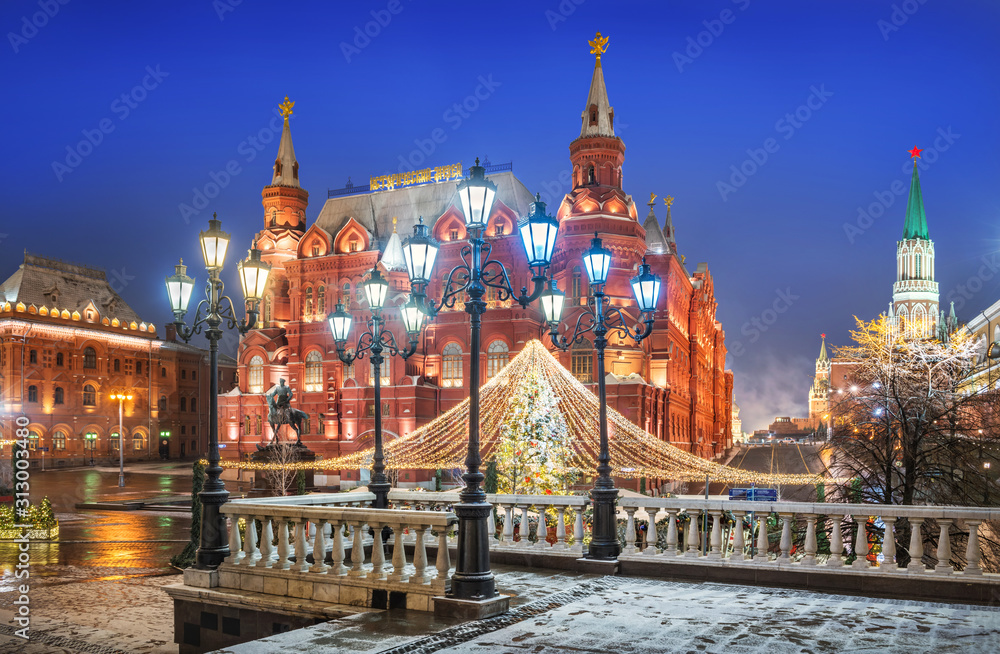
235, 545
972, 554
378, 552
651, 533
785, 545
491, 525
671, 533
398, 557
319, 548
561, 528
508, 525
715, 540
630, 530
861, 543
443, 559
420, 556
739, 538
578, 529
810, 544
283, 563
266, 544
301, 564
762, 543
357, 552
944, 548
250, 551
889, 546
522, 529
337, 554
836, 542
692, 534
542, 530
916, 549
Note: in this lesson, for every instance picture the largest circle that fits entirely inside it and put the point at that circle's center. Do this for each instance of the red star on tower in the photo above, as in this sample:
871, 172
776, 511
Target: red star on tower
915, 152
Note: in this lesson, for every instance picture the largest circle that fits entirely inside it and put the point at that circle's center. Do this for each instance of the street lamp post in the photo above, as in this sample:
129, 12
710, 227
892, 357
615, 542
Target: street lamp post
253, 273
376, 339
473, 579
600, 318
91, 439
121, 396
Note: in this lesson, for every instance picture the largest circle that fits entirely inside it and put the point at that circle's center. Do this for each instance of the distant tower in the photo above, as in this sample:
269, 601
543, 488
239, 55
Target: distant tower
819, 392
915, 294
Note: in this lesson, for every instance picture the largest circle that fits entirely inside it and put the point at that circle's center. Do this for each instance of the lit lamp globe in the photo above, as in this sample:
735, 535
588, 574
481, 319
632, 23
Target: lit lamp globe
420, 251
994, 352
597, 261
376, 290
413, 317
552, 300
214, 243
253, 276
179, 287
477, 195
646, 287
538, 233
340, 324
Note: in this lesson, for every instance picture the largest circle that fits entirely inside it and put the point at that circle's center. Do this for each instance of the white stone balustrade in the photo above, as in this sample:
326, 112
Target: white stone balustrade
843, 521
336, 535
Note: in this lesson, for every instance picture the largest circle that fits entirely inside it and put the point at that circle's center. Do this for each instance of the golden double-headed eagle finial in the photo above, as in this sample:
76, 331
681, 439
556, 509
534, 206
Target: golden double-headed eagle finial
599, 45
286, 107
669, 200
394, 220
652, 199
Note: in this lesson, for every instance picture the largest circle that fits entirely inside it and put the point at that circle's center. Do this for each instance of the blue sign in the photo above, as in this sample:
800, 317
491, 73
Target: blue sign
43, 449
753, 494
222, 444
738, 494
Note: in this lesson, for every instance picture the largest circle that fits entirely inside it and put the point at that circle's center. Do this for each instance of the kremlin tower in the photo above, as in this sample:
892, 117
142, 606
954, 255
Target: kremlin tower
819, 392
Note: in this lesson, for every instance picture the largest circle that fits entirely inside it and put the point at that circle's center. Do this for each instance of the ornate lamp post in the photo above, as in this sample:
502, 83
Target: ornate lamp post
217, 307
121, 396
376, 339
600, 318
473, 579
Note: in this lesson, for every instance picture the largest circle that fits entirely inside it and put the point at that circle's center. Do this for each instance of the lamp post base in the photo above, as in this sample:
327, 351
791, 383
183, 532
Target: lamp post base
473, 579
452, 607
604, 545
381, 492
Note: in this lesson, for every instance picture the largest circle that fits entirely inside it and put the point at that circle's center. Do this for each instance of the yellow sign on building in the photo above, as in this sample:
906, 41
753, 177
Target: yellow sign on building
412, 178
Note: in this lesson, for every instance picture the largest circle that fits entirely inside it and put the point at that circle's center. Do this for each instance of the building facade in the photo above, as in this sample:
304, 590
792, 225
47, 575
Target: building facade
67, 342
674, 385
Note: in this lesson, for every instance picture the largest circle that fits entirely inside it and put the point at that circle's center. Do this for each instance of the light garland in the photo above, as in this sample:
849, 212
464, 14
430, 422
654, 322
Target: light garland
443, 442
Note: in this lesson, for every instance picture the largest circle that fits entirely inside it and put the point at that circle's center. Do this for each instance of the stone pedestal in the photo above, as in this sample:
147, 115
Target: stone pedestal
265, 484
450, 607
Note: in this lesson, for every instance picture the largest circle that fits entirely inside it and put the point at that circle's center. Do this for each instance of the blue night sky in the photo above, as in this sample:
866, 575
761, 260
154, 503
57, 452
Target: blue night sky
688, 114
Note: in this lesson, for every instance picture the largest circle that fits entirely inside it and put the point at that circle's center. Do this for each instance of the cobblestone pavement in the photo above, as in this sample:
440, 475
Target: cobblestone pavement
616, 615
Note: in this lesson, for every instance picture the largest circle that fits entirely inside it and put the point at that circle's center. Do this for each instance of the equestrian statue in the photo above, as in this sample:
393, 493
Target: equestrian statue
280, 412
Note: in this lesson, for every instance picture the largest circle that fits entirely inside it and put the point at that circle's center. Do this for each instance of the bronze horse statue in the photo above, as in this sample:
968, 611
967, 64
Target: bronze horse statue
282, 413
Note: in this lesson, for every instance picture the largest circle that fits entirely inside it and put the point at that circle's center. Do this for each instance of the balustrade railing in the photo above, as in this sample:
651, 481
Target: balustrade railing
738, 533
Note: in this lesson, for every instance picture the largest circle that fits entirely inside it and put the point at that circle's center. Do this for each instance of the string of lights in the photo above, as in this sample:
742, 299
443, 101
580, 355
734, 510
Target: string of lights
635, 453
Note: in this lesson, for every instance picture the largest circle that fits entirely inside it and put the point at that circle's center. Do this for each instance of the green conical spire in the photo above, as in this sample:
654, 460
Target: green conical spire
916, 219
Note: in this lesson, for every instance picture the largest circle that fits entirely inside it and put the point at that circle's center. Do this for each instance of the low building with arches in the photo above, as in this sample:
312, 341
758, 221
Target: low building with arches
67, 342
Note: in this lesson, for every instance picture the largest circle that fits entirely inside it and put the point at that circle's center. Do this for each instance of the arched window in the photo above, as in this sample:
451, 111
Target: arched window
89, 358
266, 319
60, 396
138, 368
89, 396
498, 355
345, 295
118, 365
59, 359
59, 440
247, 424
194, 404
33, 356
114, 440
309, 302
260, 425
385, 377
314, 372
452, 365
349, 371
305, 425
138, 441
163, 403
576, 284
321, 301
33, 439
32, 394
256, 375
582, 362
184, 404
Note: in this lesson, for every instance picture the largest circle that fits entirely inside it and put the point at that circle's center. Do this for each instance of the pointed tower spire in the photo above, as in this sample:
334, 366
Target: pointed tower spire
822, 349
286, 168
655, 241
916, 219
598, 117
668, 225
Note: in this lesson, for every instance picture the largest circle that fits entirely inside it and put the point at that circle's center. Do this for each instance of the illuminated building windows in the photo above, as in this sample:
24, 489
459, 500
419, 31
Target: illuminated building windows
582, 362
314, 372
90, 440
33, 394
60, 396
452, 366
385, 377
266, 317
89, 396
247, 424
59, 440
353, 245
321, 301
138, 441
309, 302
33, 440
453, 235
498, 355
33, 356
256, 375
89, 358
114, 441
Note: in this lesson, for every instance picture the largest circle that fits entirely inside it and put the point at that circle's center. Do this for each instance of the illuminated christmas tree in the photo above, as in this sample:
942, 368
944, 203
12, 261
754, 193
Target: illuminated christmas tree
533, 454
